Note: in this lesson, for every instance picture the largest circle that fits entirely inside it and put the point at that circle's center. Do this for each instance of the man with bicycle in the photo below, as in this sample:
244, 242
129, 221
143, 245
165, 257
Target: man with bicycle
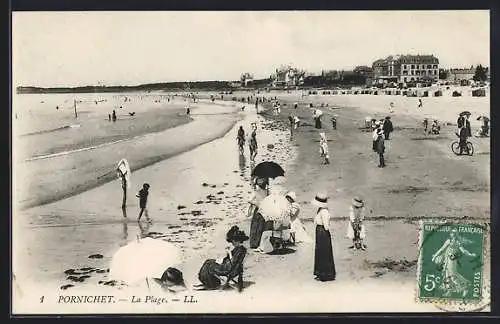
464, 131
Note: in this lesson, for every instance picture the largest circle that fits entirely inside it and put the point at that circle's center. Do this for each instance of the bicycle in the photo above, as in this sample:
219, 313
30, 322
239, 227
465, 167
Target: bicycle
455, 148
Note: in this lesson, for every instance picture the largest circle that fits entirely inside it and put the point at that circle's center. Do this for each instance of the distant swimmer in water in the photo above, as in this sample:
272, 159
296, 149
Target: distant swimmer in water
131, 113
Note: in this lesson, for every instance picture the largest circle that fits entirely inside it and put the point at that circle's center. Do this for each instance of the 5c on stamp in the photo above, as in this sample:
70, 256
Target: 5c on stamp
450, 267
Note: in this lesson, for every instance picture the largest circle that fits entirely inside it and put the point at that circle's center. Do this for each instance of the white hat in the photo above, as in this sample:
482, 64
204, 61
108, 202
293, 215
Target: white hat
292, 196
323, 136
358, 202
321, 200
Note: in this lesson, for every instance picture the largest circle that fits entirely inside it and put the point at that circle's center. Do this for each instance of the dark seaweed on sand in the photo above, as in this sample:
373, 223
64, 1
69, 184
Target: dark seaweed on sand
96, 256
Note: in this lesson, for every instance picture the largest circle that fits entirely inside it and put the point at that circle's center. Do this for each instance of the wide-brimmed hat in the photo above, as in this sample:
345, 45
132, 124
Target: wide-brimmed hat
321, 200
358, 202
231, 232
388, 117
239, 236
291, 195
173, 276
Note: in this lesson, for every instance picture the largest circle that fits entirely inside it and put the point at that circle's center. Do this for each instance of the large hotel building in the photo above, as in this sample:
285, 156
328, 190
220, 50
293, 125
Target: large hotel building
406, 69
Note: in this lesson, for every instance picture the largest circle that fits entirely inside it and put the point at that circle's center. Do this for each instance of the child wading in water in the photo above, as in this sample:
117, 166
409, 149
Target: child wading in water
323, 148
143, 200
356, 229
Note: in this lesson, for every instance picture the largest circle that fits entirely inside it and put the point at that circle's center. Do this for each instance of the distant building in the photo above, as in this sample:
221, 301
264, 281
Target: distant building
461, 74
406, 69
287, 76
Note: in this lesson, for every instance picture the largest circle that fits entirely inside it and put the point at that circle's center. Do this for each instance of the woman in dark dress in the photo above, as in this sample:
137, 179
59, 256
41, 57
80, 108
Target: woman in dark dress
324, 264
230, 267
257, 226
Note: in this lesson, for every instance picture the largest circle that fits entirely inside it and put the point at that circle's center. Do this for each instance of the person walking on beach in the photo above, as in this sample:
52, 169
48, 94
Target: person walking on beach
334, 121
143, 200
426, 125
356, 229
323, 148
387, 127
375, 127
291, 121
253, 145
380, 147
241, 138
257, 105
324, 264
317, 118
123, 170
296, 122
391, 107
420, 103
109, 117
114, 115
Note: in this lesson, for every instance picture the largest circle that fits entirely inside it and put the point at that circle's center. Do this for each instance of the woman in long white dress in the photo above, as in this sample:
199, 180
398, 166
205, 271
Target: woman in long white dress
297, 231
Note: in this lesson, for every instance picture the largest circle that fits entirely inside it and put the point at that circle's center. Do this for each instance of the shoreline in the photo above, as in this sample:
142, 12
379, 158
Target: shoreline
96, 176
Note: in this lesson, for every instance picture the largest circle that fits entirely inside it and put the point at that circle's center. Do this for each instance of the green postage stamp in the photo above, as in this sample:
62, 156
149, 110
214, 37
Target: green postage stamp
451, 262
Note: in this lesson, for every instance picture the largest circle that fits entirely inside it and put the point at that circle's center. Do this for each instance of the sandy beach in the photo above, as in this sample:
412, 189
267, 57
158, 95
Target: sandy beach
199, 191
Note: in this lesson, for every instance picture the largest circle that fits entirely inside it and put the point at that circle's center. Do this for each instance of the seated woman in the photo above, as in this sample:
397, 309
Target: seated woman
231, 265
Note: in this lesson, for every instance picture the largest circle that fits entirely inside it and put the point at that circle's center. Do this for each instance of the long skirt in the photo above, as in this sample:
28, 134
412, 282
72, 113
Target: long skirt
207, 274
256, 229
324, 265
317, 123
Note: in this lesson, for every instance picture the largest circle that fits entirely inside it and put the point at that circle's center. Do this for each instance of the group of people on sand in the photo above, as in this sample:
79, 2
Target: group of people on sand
252, 141
324, 264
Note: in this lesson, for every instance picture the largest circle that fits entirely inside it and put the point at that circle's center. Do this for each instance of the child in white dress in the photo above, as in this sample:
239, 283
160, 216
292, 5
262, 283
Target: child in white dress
297, 231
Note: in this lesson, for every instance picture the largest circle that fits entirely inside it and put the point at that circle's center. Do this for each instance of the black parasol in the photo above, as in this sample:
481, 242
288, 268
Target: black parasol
268, 169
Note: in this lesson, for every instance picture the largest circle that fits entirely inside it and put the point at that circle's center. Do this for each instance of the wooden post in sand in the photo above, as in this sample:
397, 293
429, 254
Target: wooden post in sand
74, 105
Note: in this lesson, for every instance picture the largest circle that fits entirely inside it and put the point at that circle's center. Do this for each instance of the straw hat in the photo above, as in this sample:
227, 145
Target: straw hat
321, 200
292, 196
358, 202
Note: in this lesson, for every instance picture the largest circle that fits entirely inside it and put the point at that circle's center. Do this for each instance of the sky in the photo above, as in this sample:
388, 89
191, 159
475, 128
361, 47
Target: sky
51, 49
